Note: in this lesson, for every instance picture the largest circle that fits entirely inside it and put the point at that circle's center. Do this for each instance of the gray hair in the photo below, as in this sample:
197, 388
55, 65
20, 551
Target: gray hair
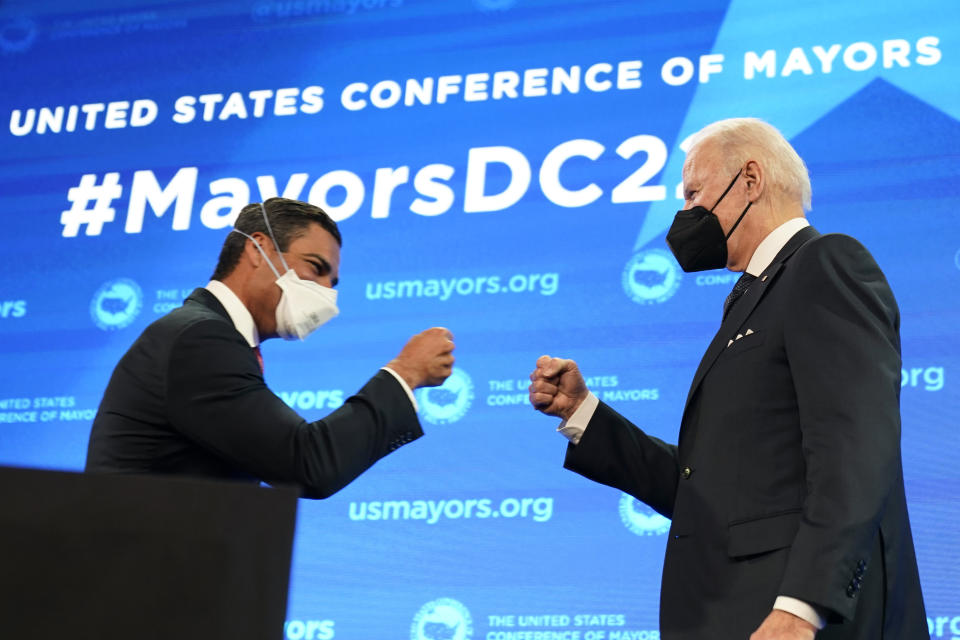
741, 139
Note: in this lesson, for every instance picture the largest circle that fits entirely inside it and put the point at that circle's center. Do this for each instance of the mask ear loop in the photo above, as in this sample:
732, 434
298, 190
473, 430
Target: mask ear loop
260, 249
722, 195
737, 223
277, 244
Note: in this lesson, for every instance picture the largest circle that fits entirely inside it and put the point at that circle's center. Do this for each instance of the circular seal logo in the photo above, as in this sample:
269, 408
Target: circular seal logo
17, 35
641, 519
443, 619
448, 402
651, 276
116, 304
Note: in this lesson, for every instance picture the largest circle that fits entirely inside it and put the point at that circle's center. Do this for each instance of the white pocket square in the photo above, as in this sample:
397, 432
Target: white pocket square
740, 336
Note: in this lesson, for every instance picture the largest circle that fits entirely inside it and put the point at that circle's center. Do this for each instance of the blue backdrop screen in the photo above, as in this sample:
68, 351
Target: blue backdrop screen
504, 168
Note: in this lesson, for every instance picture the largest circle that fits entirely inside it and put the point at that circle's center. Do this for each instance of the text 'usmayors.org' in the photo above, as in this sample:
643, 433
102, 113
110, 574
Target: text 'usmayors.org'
432, 511
546, 284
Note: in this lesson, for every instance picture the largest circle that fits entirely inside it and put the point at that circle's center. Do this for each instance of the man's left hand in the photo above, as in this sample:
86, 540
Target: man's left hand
781, 625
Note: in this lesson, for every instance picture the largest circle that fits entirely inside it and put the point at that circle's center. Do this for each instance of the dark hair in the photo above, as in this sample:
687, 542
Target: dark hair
289, 220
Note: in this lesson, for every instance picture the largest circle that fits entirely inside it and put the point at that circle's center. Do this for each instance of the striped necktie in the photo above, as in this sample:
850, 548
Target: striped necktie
738, 290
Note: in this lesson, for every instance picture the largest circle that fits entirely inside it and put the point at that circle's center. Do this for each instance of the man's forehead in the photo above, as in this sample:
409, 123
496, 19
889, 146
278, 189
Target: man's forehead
698, 159
317, 240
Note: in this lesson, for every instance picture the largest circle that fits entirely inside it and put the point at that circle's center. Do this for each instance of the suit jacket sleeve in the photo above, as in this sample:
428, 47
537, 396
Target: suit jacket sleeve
614, 452
842, 344
216, 397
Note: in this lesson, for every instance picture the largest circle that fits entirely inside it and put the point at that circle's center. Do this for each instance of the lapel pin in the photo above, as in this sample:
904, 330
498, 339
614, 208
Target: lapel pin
763, 279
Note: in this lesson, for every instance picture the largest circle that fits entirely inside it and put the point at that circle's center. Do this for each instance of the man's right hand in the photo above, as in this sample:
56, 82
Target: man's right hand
427, 358
557, 387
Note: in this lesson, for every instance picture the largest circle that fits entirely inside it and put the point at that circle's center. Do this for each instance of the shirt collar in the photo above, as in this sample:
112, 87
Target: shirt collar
239, 315
771, 245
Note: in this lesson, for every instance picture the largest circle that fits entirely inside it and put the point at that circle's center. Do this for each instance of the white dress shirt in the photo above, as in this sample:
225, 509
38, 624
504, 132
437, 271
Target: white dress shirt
766, 251
238, 312
243, 322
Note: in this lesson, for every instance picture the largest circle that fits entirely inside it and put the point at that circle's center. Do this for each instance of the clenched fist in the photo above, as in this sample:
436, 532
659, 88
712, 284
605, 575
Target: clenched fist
427, 358
557, 387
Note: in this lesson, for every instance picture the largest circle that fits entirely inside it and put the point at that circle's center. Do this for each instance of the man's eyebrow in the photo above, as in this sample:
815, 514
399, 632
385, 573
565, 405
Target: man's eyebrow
319, 258
324, 263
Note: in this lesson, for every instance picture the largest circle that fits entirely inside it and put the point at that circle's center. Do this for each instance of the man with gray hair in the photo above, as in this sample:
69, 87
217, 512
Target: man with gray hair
785, 490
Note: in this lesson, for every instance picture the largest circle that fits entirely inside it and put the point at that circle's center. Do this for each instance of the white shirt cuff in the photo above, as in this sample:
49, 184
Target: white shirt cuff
574, 427
800, 609
406, 387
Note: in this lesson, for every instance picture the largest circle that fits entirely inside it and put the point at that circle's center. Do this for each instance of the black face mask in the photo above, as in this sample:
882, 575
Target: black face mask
696, 237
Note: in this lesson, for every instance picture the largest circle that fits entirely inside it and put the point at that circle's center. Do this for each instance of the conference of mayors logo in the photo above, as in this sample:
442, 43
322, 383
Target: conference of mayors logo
651, 276
641, 519
116, 304
442, 619
449, 402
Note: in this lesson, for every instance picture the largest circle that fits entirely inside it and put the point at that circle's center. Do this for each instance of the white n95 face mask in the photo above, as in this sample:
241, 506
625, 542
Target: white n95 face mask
304, 305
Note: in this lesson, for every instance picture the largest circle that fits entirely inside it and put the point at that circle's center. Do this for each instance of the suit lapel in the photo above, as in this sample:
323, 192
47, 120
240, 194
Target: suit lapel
745, 306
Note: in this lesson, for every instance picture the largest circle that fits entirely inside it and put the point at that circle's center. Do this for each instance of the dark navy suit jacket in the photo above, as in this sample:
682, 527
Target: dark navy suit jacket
787, 477
188, 398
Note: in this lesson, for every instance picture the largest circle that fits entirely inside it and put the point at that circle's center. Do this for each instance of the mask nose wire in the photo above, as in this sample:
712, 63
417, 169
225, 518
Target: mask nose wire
277, 244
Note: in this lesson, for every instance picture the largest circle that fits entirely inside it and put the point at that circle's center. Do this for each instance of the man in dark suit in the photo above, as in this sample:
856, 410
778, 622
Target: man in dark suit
189, 397
785, 490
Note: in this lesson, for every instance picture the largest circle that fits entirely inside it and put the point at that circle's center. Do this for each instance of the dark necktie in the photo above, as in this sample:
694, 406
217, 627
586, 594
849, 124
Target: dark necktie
256, 352
738, 290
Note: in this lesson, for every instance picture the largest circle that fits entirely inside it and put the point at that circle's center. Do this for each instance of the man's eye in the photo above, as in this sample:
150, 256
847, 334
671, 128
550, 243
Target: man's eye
319, 268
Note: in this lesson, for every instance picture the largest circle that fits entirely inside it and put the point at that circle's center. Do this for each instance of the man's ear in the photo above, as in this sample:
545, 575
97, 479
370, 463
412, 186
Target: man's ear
250, 249
754, 179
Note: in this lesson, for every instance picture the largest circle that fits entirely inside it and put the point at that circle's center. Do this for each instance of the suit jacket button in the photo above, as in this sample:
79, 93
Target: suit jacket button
687, 472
